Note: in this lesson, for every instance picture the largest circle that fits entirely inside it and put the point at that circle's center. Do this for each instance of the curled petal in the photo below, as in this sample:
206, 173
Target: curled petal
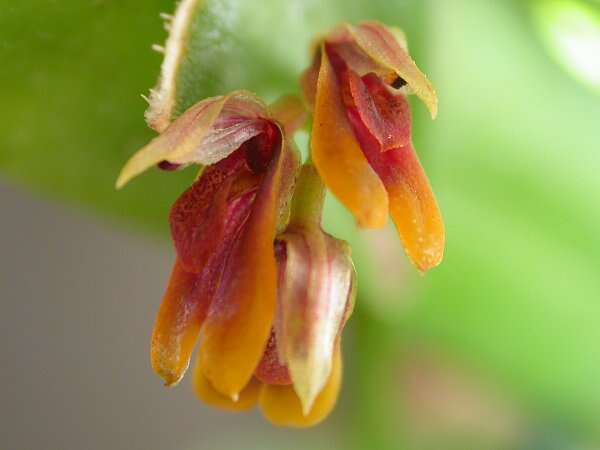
385, 114
177, 325
240, 318
338, 157
281, 406
247, 398
189, 138
385, 48
180, 138
360, 62
243, 103
226, 136
316, 282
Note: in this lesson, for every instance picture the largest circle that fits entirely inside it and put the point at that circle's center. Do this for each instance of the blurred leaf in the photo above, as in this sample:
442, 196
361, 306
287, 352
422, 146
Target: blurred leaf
515, 162
71, 79
513, 158
571, 30
233, 44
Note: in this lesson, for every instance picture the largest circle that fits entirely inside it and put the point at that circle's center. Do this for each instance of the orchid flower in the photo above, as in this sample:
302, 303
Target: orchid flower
268, 290
361, 141
255, 274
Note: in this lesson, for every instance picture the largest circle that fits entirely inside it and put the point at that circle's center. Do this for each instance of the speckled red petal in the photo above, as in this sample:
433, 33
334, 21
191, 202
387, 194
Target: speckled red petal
412, 204
386, 115
200, 212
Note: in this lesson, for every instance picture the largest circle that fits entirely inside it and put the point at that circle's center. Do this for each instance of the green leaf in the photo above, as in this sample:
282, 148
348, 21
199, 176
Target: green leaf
72, 74
223, 45
513, 158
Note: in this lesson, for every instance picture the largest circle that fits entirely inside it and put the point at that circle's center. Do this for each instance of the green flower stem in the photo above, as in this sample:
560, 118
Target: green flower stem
309, 196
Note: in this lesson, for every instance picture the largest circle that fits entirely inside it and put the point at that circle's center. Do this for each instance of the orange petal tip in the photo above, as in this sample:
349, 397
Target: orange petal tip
245, 400
281, 405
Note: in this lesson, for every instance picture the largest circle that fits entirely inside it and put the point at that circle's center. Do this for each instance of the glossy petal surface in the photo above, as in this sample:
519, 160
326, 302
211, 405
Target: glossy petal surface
247, 398
338, 157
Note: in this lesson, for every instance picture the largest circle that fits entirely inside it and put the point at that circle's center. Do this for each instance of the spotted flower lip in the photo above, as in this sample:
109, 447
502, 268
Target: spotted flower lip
361, 141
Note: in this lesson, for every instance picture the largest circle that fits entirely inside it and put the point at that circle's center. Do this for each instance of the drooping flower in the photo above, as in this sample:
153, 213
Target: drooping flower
297, 381
361, 140
269, 289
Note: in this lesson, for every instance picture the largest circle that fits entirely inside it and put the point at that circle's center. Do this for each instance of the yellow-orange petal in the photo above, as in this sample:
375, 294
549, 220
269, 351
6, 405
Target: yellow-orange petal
240, 318
338, 157
247, 398
281, 405
388, 49
177, 326
414, 209
411, 201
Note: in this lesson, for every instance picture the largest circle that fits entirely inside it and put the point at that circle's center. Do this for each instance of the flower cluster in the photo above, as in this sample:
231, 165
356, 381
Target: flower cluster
255, 274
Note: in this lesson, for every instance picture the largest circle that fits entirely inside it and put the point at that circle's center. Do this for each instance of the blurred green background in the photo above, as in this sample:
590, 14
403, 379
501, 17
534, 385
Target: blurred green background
496, 348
